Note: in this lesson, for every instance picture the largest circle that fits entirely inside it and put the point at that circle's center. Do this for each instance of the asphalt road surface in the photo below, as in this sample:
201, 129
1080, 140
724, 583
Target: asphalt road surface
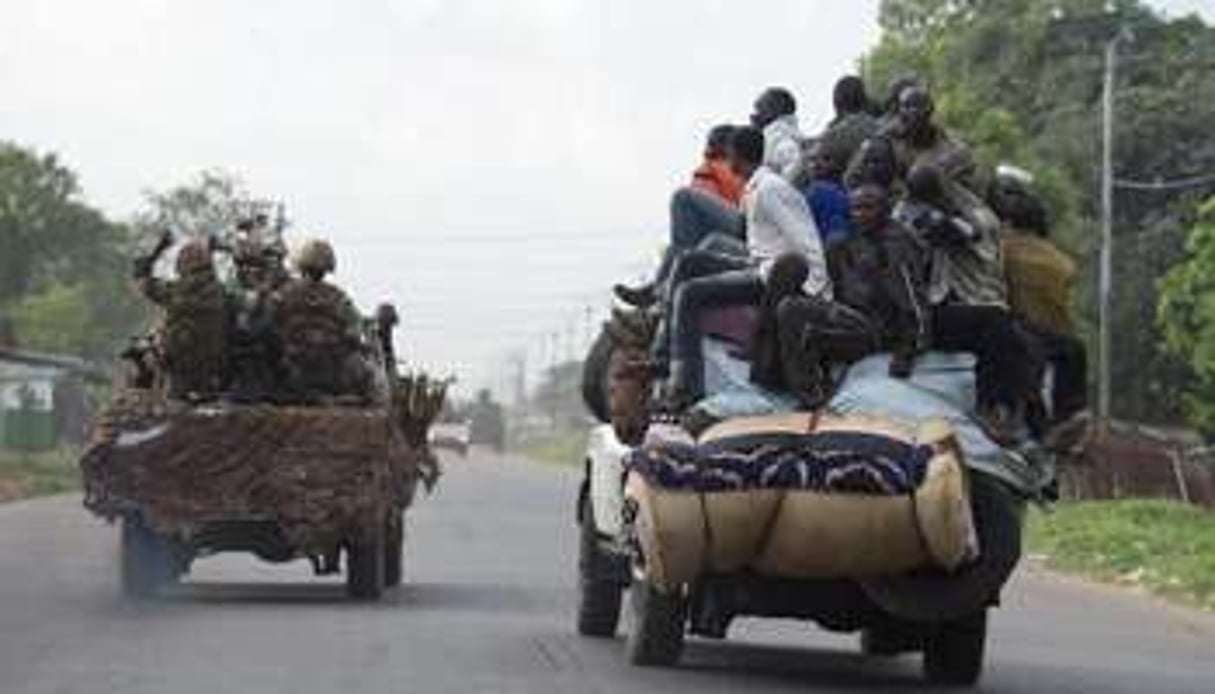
488, 607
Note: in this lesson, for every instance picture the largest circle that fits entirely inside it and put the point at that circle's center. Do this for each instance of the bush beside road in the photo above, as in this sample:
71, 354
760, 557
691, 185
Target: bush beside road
1163, 546
561, 447
27, 474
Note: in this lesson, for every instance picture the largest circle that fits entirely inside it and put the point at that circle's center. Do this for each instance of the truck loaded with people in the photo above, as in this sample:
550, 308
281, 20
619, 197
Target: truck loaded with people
852, 369
262, 415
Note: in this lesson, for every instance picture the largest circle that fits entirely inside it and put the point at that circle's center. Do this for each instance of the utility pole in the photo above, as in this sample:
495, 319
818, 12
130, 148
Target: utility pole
1105, 282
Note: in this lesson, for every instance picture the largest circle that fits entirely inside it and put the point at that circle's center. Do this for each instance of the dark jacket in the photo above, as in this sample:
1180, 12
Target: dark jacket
884, 276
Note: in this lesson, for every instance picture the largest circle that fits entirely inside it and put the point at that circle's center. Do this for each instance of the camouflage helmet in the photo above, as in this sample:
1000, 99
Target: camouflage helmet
194, 258
315, 257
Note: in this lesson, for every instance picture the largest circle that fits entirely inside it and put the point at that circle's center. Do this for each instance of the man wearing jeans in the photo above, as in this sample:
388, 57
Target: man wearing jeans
707, 207
778, 221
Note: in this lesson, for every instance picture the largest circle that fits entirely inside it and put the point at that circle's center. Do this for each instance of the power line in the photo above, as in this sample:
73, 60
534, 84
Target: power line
1176, 184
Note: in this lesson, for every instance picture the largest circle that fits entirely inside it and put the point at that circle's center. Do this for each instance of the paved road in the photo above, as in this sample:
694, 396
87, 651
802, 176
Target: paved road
488, 608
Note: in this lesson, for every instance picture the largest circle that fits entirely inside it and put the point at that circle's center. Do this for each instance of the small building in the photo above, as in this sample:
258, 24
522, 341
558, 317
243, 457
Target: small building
42, 399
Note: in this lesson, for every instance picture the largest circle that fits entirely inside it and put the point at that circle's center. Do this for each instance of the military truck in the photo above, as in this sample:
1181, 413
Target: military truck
329, 483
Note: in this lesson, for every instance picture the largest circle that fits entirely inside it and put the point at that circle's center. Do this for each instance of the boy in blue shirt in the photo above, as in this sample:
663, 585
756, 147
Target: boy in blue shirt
826, 195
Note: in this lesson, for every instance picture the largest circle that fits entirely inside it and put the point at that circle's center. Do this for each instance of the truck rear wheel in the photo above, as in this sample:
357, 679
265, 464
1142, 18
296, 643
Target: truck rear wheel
656, 635
889, 641
936, 597
599, 591
147, 563
394, 555
953, 652
365, 567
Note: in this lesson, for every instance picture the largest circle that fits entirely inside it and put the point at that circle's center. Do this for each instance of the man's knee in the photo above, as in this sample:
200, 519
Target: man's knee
693, 293
683, 199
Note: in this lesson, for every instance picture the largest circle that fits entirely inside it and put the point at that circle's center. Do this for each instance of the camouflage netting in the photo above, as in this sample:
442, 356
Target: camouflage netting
321, 473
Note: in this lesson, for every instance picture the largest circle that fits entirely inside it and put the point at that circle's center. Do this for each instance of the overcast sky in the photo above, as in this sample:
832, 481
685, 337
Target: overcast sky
491, 166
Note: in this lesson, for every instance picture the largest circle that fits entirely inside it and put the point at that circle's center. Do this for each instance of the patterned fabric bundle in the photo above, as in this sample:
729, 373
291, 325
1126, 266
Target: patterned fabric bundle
839, 462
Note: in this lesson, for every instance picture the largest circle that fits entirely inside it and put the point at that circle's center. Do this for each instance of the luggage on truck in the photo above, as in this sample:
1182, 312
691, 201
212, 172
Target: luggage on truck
798, 496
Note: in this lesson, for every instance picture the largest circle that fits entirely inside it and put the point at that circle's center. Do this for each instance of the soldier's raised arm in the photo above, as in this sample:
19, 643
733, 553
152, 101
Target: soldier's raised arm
155, 289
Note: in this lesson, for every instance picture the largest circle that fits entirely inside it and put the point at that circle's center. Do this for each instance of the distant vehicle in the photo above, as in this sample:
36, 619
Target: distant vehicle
453, 436
488, 425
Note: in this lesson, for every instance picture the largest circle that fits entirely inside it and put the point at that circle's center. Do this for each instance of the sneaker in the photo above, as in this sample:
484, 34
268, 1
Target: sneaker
641, 297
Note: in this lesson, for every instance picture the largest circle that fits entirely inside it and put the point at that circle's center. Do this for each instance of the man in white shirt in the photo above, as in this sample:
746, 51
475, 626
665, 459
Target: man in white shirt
779, 222
775, 113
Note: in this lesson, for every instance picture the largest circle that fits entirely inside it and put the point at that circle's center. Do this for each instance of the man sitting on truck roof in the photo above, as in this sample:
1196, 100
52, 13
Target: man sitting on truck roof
775, 113
1040, 278
969, 298
778, 222
854, 121
707, 207
825, 192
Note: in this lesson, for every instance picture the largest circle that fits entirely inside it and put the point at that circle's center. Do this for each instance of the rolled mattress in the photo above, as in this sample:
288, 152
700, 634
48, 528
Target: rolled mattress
796, 496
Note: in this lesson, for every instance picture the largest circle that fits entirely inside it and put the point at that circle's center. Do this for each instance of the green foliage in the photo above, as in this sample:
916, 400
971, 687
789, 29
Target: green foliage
39, 217
210, 205
24, 474
1020, 80
1187, 317
64, 266
565, 447
1165, 546
559, 395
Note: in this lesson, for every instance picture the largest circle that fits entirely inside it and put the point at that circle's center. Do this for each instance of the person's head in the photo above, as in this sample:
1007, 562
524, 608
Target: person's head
746, 151
926, 184
315, 259
894, 91
916, 109
250, 263
194, 260
827, 162
850, 96
875, 163
1014, 201
386, 316
773, 103
869, 205
718, 141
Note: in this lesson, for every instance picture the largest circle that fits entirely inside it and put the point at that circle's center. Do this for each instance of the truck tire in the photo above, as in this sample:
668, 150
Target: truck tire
934, 597
657, 631
595, 377
953, 652
394, 554
147, 562
365, 567
889, 641
599, 591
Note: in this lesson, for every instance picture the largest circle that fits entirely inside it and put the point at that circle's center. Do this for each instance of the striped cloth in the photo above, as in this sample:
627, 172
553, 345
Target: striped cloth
838, 462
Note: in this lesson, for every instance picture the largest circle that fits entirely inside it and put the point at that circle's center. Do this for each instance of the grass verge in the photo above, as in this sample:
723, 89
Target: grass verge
26, 474
559, 448
1163, 546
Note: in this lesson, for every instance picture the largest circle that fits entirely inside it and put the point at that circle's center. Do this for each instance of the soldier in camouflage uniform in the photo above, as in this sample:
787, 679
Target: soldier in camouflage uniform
193, 333
254, 352
319, 330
